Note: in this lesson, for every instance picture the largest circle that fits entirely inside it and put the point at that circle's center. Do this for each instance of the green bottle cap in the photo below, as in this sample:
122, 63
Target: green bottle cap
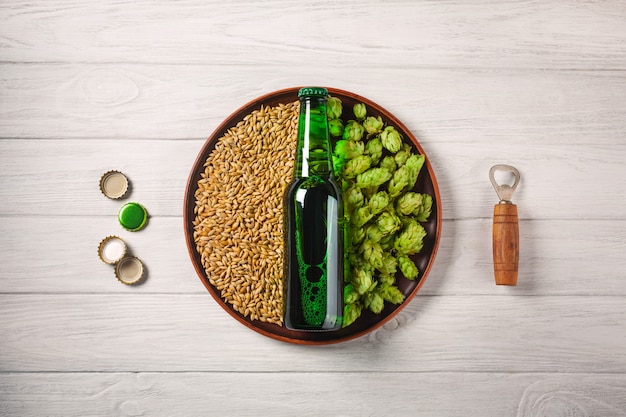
313, 91
133, 216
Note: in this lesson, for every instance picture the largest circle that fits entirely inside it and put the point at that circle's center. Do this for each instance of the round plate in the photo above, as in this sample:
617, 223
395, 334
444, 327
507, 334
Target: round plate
368, 321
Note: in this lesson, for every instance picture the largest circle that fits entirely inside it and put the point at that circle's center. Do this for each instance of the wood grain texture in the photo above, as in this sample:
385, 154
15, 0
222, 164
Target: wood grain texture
376, 394
591, 263
137, 86
174, 333
133, 101
588, 179
486, 34
505, 242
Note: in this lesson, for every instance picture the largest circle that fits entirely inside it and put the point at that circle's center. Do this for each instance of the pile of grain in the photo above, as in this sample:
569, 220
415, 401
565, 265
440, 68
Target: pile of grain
238, 228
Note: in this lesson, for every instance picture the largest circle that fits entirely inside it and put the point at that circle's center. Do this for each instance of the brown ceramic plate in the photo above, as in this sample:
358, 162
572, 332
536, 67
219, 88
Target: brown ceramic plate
368, 321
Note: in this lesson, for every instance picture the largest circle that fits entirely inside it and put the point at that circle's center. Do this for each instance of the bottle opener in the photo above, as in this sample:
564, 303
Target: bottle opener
505, 229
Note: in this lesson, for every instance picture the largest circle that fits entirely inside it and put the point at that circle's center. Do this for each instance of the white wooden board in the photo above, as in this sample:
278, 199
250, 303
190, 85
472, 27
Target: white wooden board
350, 34
171, 332
138, 86
67, 262
345, 394
60, 177
472, 106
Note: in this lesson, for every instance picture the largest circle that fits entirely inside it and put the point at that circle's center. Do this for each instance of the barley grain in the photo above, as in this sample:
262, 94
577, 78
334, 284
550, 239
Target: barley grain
238, 212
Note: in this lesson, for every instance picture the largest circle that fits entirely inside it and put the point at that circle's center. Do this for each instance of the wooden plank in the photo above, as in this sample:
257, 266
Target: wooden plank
173, 333
489, 34
582, 257
135, 101
578, 182
288, 394
137, 86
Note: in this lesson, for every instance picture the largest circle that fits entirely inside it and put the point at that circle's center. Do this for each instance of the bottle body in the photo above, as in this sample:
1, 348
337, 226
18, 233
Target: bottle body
313, 213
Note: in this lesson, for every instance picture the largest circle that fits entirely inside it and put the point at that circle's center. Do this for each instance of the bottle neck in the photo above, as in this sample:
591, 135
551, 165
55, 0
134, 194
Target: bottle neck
313, 149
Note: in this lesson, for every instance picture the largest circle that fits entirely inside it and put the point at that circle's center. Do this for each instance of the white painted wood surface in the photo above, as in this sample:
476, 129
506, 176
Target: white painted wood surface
137, 86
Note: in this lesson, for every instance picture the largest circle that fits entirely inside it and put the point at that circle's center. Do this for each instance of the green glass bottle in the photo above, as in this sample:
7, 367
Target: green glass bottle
313, 230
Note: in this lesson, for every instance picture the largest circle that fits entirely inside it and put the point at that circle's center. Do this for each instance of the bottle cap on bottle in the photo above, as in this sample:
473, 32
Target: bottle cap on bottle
313, 91
132, 216
129, 270
113, 184
111, 249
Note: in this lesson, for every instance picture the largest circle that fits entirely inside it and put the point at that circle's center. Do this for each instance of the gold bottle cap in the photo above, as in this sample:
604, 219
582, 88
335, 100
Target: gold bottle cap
111, 249
129, 270
114, 184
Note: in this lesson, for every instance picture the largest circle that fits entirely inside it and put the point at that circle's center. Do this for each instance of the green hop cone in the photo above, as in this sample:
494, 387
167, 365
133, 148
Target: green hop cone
374, 148
411, 239
386, 279
353, 131
409, 203
353, 198
388, 163
373, 177
376, 257
361, 280
333, 108
361, 216
368, 192
351, 312
356, 166
378, 202
335, 127
373, 233
391, 293
374, 302
387, 242
389, 266
348, 149
357, 235
373, 253
414, 164
360, 111
355, 260
407, 267
402, 155
388, 223
399, 182
373, 124
350, 294
425, 209
391, 139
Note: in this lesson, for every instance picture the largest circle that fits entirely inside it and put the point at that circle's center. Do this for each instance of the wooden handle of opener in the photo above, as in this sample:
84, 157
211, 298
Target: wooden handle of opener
505, 244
